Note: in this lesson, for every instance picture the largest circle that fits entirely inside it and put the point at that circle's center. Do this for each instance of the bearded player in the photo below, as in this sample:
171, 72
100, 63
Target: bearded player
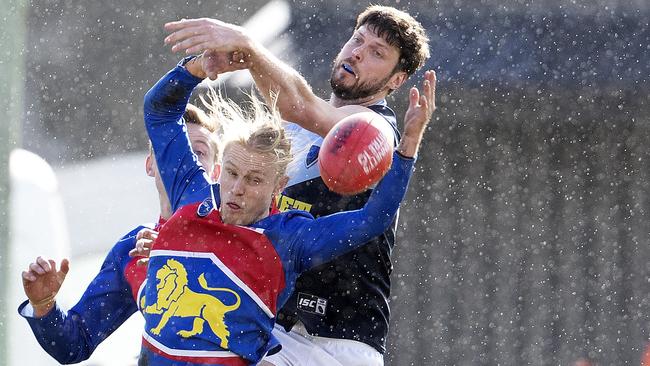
339, 312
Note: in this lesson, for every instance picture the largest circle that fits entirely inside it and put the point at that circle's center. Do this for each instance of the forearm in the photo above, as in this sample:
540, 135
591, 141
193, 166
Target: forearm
165, 102
409, 145
164, 105
72, 336
295, 99
62, 336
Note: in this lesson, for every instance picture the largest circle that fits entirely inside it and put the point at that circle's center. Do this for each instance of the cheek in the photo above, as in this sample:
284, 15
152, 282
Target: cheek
261, 195
206, 162
345, 52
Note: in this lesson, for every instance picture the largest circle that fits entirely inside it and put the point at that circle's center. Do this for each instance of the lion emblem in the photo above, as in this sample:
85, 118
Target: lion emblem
175, 298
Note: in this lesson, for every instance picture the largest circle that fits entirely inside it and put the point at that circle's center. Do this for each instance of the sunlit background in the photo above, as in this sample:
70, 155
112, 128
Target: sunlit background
525, 236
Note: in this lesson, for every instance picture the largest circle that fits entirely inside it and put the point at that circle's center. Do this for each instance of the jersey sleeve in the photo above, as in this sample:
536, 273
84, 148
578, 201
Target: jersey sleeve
72, 336
325, 238
164, 104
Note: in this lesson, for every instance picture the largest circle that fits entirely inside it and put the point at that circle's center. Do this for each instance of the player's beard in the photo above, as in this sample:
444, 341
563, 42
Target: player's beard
357, 90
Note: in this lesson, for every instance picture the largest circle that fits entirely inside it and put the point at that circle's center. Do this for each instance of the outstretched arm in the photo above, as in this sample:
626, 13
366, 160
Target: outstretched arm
327, 237
72, 336
295, 98
184, 179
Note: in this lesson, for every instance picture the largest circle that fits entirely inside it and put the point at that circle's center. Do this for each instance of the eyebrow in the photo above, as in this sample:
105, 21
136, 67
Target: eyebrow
381, 42
255, 171
200, 142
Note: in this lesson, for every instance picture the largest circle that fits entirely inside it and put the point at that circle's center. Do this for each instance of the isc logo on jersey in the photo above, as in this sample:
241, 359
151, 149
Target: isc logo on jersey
312, 304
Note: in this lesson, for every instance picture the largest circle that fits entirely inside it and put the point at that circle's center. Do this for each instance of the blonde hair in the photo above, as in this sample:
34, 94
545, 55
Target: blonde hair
258, 127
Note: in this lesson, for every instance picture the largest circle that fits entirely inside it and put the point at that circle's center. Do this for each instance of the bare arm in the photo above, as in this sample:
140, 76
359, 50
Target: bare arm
295, 98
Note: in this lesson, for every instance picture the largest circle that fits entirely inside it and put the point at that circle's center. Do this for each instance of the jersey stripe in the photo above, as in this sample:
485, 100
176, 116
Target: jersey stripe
188, 353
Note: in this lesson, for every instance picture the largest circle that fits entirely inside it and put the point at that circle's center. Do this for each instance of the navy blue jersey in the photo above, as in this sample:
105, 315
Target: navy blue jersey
346, 298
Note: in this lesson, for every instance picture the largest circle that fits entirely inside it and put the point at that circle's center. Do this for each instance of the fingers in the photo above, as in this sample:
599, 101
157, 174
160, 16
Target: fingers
184, 23
430, 88
198, 45
187, 34
142, 247
194, 44
65, 266
424, 104
146, 234
40, 266
133, 252
28, 277
414, 96
46, 265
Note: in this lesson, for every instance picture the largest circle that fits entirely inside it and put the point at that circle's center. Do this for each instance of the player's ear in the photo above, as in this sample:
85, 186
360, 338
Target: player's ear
216, 171
282, 182
397, 80
148, 165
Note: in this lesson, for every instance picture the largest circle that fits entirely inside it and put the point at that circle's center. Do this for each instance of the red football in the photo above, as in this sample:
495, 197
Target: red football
356, 153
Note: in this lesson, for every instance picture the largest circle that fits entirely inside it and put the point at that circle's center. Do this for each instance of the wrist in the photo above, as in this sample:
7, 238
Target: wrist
193, 65
43, 306
408, 146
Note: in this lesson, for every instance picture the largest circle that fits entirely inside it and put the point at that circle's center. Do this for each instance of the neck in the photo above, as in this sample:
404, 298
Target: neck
165, 207
373, 99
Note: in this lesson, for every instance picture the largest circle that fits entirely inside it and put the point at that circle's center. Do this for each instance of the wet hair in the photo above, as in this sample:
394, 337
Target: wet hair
401, 30
257, 127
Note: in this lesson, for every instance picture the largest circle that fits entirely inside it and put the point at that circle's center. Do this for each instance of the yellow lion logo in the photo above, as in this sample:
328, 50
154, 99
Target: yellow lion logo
176, 299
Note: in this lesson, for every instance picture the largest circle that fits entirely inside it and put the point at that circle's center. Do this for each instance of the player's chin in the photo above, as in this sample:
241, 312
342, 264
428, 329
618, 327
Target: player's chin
236, 218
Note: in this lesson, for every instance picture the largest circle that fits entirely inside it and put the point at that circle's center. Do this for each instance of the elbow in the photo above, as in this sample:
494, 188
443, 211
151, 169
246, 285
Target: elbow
70, 358
148, 101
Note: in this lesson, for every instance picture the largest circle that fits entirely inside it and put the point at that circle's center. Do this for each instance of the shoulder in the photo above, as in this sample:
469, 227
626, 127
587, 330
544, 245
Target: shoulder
286, 221
389, 116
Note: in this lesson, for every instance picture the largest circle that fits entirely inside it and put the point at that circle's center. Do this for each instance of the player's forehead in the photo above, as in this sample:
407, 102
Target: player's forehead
198, 131
200, 135
248, 161
370, 34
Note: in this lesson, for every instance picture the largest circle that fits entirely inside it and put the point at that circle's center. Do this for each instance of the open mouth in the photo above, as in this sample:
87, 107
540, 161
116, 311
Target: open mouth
347, 68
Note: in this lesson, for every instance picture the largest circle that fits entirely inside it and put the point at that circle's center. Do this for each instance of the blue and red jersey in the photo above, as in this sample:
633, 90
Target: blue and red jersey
109, 300
213, 289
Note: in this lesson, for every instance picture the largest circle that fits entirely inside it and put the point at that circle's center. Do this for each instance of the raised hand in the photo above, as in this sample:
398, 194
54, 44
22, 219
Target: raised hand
196, 36
417, 117
42, 281
214, 63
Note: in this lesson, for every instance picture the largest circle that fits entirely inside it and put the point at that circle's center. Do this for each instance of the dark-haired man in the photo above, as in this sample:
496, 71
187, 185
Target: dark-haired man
339, 312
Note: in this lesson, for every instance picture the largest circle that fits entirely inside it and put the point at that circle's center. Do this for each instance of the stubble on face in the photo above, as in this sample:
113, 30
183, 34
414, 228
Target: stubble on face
357, 90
